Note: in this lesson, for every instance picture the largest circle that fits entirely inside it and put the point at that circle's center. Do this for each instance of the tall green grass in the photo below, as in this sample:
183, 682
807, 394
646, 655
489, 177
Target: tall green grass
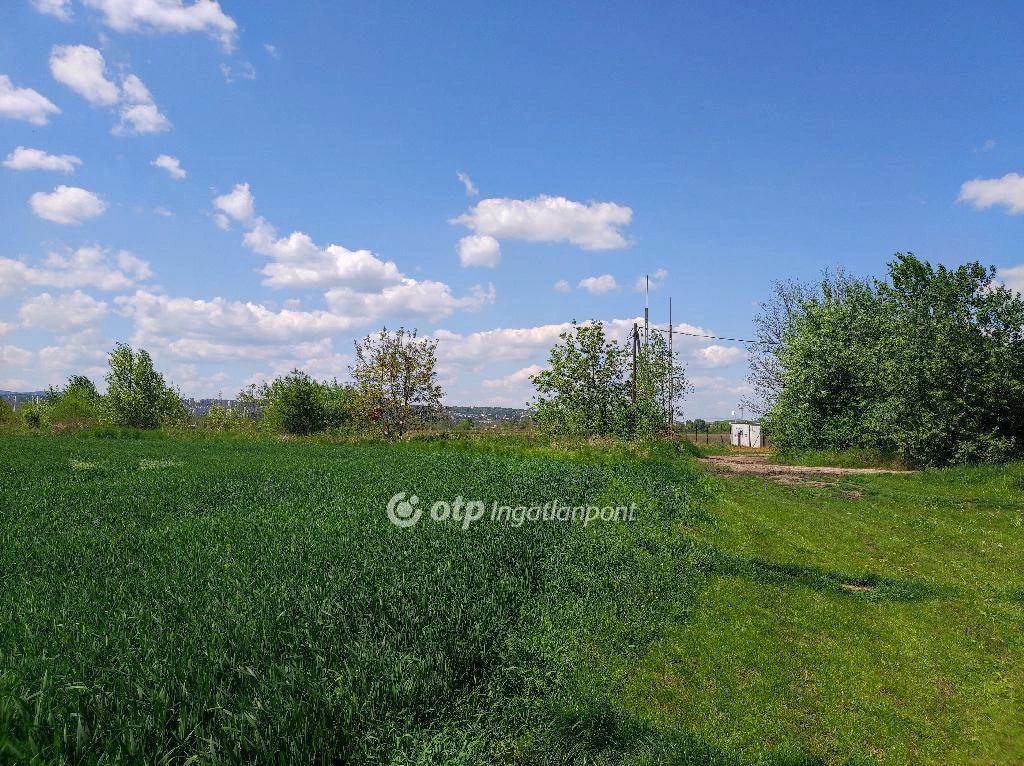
235, 602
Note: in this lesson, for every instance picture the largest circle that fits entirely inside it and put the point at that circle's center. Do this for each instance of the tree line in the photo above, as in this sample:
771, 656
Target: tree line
926, 365
593, 385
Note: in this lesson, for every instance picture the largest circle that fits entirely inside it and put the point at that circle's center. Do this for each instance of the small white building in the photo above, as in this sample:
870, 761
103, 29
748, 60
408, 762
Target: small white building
745, 435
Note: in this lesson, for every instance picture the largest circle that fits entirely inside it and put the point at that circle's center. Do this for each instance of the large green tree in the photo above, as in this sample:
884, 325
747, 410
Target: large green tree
588, 386
927, 365
396, 384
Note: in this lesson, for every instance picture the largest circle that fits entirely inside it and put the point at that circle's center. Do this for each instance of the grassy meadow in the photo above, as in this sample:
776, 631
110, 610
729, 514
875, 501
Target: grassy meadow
174, 600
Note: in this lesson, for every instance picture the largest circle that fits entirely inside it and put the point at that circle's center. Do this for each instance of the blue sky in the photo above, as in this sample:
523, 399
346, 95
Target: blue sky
308, 191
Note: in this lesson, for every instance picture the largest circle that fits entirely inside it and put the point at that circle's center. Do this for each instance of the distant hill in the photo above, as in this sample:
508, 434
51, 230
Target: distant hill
16, 398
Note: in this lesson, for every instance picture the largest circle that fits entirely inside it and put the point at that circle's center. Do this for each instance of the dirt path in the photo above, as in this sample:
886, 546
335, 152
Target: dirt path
761, 465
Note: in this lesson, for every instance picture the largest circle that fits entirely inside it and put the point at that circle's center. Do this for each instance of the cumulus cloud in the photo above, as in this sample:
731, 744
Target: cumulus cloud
67, 205
84, 267
82, 68
983, 193
24, 103
272, 50
467, 182
563, 286
599, 285
139, 113
517, 378
60, 9
358, 281
62, 312
13, 356
168, 16
410, 297
221, 321
171, 164
654, 281
591, 225
479, 250
23, 158
238, 203
714, 356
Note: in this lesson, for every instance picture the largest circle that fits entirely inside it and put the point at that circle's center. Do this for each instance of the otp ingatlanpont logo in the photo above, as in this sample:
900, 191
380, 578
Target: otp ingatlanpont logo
404, 513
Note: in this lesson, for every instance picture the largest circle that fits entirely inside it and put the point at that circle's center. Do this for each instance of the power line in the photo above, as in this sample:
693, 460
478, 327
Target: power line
710, 337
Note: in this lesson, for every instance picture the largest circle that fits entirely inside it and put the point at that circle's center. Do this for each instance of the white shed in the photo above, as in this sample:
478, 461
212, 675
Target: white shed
745, 435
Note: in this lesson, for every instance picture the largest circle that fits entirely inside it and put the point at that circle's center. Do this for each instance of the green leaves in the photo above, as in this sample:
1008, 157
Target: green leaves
137, 395
927, 366
395, 381
589, 386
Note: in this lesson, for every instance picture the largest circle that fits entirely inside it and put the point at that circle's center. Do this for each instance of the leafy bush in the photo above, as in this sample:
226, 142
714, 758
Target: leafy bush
297, 404
927, 366
77, 405
7, 416
137, 395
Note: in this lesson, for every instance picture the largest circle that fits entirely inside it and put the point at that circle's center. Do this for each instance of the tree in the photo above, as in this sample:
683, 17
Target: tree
396, 381
927, 365
137, 395
588, 387
585, 387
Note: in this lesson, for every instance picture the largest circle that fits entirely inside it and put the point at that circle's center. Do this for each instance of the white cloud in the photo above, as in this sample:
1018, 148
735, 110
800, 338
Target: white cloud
168, 16
238, 203
67, 205
1013, 277
23, 158
84, 267
411, 297
272, 50
171, 164
13, 356
222, 221
83, 69
983, 193
655, 281
244, 71
83, 352
139, 113
359, 282
24, 103
563, 286
599, 285
210, 329
591, 225
479, 250
467, 182
61, 313
520, 376
988, 146
61, 9
162, 211
714, 356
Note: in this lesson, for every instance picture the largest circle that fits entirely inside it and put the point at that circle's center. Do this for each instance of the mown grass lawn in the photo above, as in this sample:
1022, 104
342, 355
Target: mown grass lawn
875, 619
165, 600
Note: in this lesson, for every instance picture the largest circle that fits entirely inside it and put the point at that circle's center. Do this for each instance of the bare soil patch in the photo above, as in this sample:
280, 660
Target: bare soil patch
762, 465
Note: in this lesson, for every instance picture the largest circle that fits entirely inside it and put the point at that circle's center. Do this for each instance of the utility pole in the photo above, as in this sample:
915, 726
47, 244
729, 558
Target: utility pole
671, 368
647, 300
634, 342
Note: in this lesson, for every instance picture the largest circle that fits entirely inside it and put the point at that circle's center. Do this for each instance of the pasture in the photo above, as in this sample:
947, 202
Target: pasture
230, 601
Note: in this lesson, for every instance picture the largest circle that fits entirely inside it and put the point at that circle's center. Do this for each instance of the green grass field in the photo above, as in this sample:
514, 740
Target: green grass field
166, 600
